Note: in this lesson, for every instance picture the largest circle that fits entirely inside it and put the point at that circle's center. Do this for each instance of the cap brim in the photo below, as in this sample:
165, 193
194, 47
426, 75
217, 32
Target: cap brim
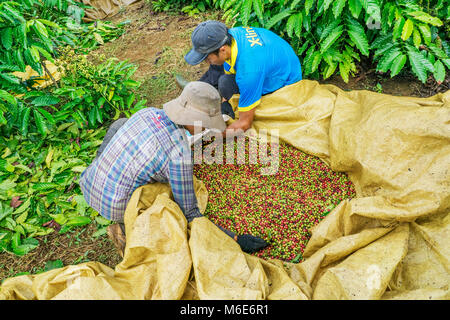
193, 57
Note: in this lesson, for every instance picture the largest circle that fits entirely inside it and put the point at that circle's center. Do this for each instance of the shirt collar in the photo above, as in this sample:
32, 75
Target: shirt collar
232, 61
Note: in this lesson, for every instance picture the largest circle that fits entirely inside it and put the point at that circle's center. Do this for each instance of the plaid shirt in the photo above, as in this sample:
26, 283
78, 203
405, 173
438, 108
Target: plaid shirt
148, 148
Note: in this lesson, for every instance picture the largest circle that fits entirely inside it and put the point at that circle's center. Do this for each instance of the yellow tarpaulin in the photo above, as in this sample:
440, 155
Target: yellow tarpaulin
390, 242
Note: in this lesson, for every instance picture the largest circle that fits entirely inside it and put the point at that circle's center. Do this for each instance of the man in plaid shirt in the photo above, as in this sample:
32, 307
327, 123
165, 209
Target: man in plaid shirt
151, 147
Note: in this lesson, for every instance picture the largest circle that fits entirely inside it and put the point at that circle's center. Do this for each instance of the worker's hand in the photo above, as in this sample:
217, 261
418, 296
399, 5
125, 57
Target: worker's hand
251, 243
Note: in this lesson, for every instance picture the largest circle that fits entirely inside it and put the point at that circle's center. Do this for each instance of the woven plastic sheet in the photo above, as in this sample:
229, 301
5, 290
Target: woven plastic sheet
390, 242
101, 9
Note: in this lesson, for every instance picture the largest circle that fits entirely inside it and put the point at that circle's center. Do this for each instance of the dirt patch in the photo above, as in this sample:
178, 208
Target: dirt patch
157, 43
74, 247
406, 85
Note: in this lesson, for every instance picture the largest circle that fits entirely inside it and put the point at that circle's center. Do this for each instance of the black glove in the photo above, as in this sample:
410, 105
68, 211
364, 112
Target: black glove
227, 109
250, 243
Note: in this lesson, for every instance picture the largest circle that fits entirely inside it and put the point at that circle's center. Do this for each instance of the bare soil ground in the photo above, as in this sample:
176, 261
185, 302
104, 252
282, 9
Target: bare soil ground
156, 43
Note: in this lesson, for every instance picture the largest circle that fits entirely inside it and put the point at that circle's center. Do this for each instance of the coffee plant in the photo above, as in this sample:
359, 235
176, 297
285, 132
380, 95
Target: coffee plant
189, 7
331, 36
48, 136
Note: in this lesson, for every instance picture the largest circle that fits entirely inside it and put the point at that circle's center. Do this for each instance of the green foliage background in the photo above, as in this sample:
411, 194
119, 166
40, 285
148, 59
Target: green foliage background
48, 136
331, 36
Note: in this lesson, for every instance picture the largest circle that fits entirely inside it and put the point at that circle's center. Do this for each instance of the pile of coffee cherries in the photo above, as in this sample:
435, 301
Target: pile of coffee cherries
279, 207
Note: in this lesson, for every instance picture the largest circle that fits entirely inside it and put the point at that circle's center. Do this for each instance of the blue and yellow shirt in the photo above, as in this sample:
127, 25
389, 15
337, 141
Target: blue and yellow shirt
263, 63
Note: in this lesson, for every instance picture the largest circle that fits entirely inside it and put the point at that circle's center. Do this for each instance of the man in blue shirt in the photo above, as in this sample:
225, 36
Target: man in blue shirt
255, 62
151, 146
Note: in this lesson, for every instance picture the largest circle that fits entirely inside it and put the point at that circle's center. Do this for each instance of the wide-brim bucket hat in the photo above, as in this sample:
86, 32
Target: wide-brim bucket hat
198, 104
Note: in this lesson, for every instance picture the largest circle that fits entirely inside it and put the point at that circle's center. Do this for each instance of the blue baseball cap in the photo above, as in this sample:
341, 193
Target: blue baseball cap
207, 37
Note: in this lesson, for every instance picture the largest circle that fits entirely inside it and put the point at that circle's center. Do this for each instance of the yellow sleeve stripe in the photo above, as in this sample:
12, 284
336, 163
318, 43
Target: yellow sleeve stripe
250, 107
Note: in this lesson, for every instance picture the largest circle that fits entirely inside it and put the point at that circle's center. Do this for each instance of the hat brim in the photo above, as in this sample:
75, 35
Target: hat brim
194, 57
182, 116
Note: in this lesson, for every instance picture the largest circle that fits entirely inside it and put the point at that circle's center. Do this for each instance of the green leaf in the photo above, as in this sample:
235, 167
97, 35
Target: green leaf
131, 83
40, 122
102, 221
297, 258
44, 101
27, 246
44, 186
308, 5
417, 65
439, 73
78, 221
45, 53
355, 8
344, 70
18, 57
438, 51
5, 166
23, 207
290, 25
34, 53
358, 37
330, 69
9, 98
40, 28
48, 116
277, 18
246, 9
55, 264
25, 122
21, 35
425, 17
398, 28
7, 185
417, 39
407, 30
21, 219
3, 120
139, 105
317, 57
329, 28
328, 42
338, 6
426, 33
298, 24
7, 38
326, 4
372, 8
13, 13
50, 23
386, 61
258, 6
5, 211
100, 232
294, 4
129, 100
294, 25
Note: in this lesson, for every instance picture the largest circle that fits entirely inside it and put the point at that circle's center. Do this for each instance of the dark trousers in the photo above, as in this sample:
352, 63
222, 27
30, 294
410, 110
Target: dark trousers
224, 83
110, 133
